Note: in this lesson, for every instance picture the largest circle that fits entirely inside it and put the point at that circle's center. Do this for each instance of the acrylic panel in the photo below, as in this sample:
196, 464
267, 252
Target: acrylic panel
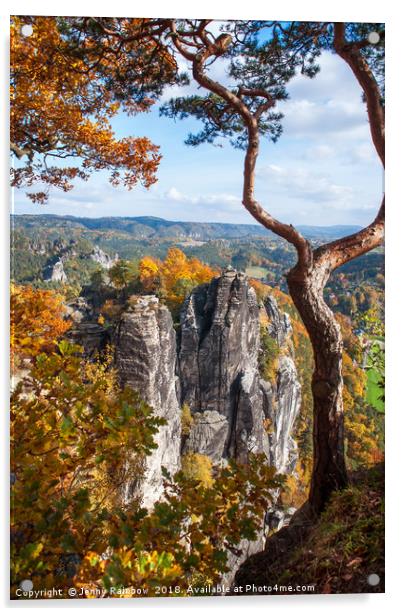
197, 301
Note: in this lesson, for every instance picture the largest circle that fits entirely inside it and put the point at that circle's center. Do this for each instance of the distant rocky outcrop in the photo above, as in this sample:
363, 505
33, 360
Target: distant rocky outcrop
62, 251
54, 272
145, 357
38, 247
99, 256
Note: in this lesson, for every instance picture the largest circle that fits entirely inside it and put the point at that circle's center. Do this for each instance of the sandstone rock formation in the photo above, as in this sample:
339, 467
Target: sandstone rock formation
85, 330
219, 375
55, 272
282, 398
218, 366
79, 310
279, 322
208, 435
283, 448
92, 337
145, 357
99, 256
215, 370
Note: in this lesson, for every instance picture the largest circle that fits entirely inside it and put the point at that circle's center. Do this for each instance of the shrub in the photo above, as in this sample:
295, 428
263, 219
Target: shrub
198, 467
186, 420
268, 358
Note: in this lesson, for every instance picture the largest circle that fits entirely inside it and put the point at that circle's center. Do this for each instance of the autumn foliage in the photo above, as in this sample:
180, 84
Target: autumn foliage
77, 437
37, 321
175, 277
72, 429
66, 85
188, 535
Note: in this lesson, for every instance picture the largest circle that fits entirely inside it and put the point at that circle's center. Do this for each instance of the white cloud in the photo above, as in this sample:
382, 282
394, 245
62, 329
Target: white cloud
174, 194
333, 118
362, 153
303, 183
225, 199
334, 81
329, 105
320, 151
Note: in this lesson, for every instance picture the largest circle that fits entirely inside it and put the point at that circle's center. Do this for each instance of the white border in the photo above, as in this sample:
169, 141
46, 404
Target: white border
340, 10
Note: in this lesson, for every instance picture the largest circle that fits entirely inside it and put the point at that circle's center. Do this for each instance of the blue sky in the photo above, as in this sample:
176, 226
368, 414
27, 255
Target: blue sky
323, 170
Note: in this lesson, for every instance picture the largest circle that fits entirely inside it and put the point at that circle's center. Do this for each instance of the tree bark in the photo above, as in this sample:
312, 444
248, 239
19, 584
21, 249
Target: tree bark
329, 470
307, 280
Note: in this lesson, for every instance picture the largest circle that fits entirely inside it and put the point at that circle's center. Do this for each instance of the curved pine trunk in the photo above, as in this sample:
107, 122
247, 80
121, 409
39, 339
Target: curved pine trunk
329, 470
308, 278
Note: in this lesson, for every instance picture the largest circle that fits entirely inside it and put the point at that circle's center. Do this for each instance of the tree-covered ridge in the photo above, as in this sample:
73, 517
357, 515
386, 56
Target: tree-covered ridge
41, 240
141, 227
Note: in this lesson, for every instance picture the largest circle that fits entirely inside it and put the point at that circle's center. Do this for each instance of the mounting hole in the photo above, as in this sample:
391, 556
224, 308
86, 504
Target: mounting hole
26, 585
373, 38
27, 30
373, 579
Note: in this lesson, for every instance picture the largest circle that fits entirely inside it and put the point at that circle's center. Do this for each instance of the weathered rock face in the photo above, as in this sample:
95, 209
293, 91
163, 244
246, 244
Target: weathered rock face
85, 331
218, 367
246, 549
217, 363
55, 272
145, 357
79, 310
99, 256
249, 435
283, 448
280, 324
208, 435
90, 336
219, 375
220, 381
282, 398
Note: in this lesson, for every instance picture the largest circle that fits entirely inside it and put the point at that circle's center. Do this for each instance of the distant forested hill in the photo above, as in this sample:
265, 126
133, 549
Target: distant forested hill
49, 249
141, 227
